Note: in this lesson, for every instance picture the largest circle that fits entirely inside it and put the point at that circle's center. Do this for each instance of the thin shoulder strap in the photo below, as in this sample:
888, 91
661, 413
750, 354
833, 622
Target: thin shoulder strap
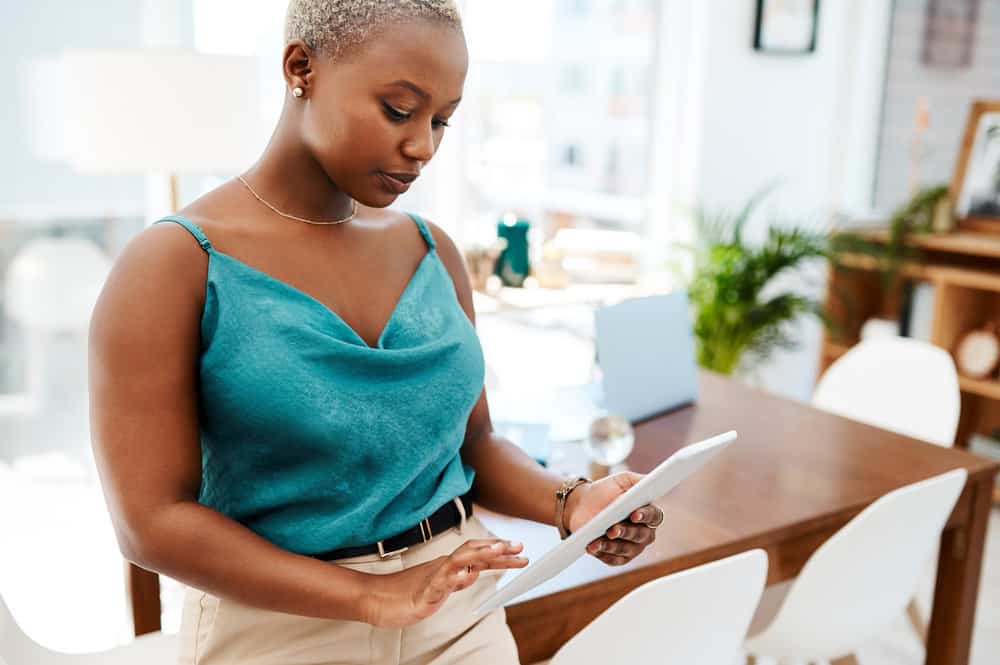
191, 227
424, 231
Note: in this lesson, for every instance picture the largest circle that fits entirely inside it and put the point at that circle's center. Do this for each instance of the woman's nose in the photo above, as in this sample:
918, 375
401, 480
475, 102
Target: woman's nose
421, 146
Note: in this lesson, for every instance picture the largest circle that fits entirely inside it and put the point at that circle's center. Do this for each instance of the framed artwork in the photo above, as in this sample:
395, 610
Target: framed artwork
950, 33
786, 26
975, 187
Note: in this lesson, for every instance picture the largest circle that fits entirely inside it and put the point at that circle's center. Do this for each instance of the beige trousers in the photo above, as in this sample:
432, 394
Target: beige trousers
217, 631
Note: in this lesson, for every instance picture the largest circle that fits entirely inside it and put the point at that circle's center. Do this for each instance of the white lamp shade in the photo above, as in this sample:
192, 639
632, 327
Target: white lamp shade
43, 91
53, 284
159, 111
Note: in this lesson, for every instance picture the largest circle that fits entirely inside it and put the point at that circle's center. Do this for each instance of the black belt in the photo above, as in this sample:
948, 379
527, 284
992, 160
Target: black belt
443, 519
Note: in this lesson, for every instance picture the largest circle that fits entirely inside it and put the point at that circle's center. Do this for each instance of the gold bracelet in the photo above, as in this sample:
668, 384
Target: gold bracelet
562, 494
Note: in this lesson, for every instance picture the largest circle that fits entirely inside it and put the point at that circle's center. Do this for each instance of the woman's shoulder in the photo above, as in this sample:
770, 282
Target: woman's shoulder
452, 260
166, 258
153, 297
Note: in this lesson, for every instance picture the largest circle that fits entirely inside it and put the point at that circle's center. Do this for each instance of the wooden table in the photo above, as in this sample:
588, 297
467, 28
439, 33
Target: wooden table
795, 476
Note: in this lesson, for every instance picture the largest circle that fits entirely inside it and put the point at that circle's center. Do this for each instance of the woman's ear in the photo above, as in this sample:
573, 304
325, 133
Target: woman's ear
297, 65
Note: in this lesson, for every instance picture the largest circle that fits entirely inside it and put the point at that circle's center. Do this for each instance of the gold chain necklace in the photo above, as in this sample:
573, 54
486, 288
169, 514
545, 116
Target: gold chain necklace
354, 209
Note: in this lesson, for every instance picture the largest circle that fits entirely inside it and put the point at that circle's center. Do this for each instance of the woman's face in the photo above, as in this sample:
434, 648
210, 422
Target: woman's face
375, 116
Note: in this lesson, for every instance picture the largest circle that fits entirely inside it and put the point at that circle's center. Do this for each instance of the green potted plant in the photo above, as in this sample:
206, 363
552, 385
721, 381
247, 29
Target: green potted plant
738, 323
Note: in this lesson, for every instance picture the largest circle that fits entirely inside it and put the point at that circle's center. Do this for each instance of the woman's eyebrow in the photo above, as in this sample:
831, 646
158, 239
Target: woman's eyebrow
416, 89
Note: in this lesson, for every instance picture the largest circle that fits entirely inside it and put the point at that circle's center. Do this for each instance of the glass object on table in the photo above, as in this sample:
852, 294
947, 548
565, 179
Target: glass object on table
609, 442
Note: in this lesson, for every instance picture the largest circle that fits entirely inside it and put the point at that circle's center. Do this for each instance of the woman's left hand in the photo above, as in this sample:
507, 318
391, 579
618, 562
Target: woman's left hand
625, 540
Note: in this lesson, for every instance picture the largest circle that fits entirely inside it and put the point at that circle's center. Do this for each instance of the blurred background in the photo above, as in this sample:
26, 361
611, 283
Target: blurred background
602, 150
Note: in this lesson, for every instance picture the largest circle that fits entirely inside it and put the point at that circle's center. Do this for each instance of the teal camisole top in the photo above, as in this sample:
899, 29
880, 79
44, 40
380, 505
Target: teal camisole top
315, 440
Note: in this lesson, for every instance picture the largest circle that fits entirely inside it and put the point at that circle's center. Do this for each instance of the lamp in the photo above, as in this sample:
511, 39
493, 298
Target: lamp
154, 112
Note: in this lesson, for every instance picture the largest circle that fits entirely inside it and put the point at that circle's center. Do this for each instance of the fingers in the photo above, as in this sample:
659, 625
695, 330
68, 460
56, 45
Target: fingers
616, 548
632, 533
481, 550
467, 561
613, 560
461, 568
625, 541
614, 553
649, 514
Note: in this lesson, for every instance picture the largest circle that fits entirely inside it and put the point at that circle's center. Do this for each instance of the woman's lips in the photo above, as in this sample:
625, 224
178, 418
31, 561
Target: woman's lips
395, 184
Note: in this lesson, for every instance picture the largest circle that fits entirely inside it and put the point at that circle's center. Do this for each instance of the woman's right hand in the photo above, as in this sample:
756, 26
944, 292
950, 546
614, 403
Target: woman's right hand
401, 599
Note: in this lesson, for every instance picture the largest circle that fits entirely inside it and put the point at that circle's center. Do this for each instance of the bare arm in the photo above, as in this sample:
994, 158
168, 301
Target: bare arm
144, 346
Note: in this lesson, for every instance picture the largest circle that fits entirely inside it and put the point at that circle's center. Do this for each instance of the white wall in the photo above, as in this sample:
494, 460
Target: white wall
805, 123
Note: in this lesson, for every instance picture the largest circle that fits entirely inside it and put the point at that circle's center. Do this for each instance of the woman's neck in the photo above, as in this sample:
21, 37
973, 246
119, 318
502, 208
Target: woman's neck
288, 177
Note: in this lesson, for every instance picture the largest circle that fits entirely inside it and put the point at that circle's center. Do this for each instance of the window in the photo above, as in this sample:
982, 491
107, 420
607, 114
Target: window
552, 127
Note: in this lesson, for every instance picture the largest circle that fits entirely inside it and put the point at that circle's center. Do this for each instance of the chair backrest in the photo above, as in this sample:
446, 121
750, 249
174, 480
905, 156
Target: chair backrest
17, 648
699, 616
896, 383
861, 579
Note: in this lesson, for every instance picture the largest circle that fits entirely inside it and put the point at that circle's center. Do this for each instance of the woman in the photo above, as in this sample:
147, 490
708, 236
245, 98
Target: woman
289, 413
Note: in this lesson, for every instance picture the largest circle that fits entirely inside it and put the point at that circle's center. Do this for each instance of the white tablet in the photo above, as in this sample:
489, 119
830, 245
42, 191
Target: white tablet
654, 485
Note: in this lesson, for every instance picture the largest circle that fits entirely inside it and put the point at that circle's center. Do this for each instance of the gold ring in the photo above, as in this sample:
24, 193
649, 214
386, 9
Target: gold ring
653, 526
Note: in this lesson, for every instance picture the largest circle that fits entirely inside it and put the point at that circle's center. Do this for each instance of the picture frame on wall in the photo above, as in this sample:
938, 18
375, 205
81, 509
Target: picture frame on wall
950, 33
975, 186
786, 27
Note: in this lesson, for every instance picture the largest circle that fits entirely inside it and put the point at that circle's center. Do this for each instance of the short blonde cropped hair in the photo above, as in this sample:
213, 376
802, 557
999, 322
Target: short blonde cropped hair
331, 27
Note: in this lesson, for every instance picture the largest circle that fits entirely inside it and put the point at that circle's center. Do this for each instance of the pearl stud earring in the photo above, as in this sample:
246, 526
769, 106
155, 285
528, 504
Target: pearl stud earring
298, 92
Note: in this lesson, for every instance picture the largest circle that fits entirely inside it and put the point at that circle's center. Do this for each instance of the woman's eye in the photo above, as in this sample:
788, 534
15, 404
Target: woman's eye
394, 113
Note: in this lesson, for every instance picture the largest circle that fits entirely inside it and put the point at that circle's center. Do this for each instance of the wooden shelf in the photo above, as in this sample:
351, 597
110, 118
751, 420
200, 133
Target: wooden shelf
973, 279
986, 245
865, 262
984, 387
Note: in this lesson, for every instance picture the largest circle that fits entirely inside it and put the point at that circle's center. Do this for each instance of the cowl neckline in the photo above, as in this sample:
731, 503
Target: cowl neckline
316, 303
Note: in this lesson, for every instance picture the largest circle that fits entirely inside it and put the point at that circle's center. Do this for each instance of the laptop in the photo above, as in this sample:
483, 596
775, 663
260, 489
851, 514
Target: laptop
645, 348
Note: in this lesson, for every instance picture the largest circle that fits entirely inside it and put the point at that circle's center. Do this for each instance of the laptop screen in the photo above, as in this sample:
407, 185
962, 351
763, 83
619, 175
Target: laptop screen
645, 348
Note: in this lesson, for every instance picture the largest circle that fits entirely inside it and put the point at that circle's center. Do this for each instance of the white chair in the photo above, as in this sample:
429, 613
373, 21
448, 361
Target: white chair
896, 383
699, 616
16, 648
899, 384
859, 580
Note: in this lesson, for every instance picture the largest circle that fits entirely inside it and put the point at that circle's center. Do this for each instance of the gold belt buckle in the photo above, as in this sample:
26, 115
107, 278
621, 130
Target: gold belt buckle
425, 530
383, 554
425, 534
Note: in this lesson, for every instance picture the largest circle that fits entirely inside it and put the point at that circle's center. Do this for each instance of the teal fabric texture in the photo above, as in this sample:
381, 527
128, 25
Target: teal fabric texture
309, 436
